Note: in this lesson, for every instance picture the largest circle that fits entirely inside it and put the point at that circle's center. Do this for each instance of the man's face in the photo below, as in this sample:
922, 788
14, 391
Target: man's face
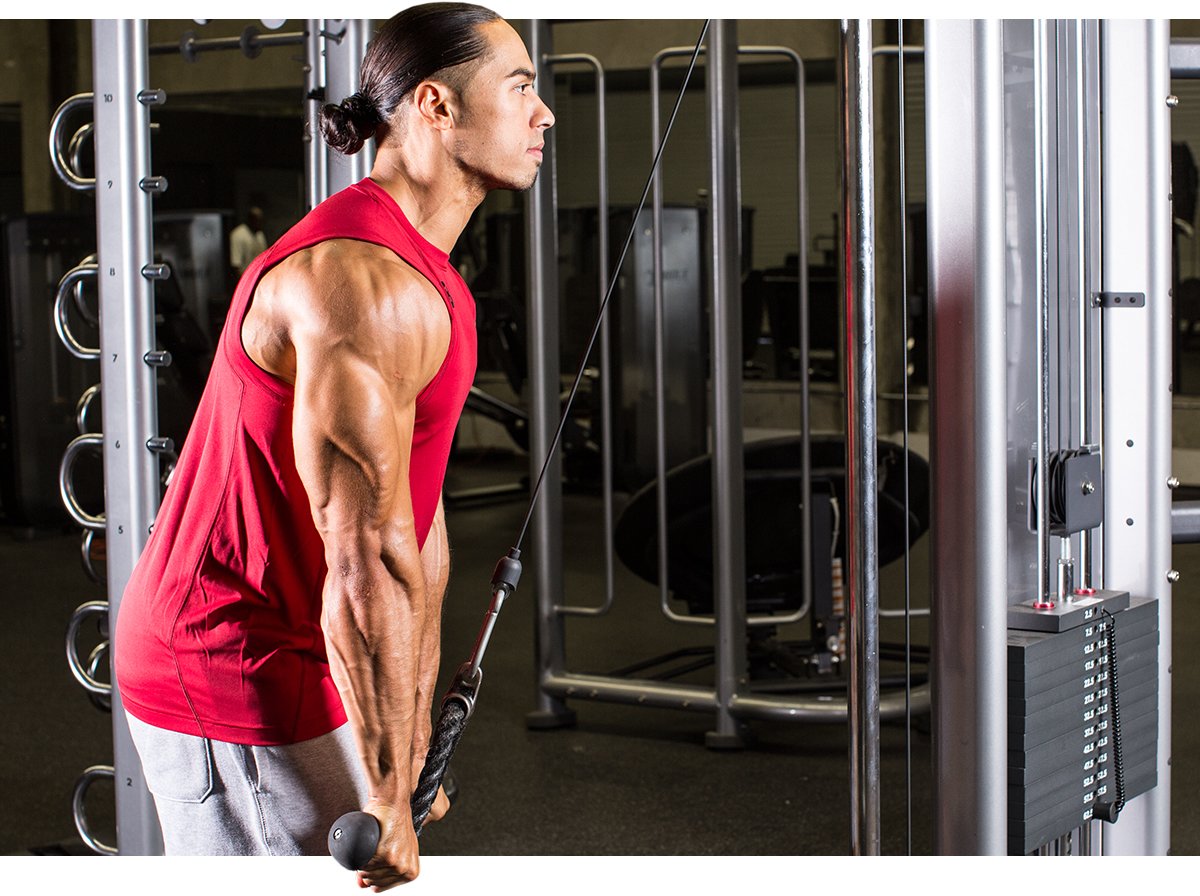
500, 129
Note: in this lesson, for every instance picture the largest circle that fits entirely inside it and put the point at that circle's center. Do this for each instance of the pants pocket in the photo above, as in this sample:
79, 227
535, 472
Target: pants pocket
177, 767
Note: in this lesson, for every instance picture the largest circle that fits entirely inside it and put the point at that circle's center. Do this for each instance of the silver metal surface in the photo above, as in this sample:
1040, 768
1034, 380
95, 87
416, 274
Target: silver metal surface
862, 542
1041, 155
85, 556
541, 241
1084, 50
969, 438
1136, 250
68, 286
825, 709
75, 149
79, 812
85, 677
68, 174
485, 632
127, 333
728, 459
344, 50
93, 442
606, 419
1184, 57
316, 153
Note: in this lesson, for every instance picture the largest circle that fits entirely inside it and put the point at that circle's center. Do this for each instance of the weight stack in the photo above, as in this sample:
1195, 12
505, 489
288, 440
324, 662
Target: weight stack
1061, 757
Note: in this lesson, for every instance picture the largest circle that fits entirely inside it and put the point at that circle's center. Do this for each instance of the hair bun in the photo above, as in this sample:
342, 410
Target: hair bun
349, 124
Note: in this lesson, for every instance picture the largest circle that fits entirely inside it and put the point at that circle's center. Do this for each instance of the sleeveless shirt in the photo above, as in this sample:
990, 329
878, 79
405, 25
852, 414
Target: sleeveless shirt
218, 632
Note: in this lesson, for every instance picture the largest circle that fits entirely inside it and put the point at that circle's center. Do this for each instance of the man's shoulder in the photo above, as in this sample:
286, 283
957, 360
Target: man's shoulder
351, 281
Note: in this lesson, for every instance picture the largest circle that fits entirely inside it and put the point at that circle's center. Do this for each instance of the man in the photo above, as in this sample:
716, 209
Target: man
247, 241
277, 645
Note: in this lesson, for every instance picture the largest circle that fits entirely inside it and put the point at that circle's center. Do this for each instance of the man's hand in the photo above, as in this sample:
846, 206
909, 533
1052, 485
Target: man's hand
397, 859
441, 805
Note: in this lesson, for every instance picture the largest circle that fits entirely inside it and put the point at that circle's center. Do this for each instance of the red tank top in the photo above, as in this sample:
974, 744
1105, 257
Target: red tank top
218, 632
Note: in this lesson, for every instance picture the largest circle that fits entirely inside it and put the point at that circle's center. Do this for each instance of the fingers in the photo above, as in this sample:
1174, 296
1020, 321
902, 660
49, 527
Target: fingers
441, 805
397, 858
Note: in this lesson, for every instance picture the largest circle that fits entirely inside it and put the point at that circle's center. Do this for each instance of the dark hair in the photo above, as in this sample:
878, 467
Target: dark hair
420, 43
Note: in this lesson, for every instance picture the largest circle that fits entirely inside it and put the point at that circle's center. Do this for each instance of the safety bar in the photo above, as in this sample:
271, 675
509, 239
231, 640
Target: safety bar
72, 279
89, 777
66, 488
659, 346
71, 177
605, 344
85, 552
83, 406
82, 675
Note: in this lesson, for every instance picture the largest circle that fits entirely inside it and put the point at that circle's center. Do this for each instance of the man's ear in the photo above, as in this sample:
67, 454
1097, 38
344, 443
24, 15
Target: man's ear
435, 102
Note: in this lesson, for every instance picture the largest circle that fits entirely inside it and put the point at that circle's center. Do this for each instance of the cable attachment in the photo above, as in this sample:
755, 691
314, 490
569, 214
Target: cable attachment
464, 688
508, 571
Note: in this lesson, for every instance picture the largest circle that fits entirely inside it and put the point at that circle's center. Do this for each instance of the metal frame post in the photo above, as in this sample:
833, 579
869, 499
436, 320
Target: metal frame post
345, 45
969, 432
729, 501
862, 458
541, 244
316, 158
124, 218
1136, 245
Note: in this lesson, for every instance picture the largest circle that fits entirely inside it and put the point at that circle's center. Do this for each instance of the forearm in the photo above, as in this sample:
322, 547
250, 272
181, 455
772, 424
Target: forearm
374, 627
435, 563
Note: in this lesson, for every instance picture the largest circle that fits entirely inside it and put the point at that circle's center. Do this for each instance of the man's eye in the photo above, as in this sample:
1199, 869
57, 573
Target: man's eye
521, 88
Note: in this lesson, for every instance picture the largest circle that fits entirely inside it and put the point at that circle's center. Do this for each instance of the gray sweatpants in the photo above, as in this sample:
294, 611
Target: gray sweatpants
216, 798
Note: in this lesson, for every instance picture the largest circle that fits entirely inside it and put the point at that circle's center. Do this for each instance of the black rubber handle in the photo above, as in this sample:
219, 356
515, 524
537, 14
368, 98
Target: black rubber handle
353, 839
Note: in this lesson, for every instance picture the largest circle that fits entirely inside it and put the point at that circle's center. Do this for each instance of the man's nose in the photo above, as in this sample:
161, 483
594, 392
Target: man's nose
543, 118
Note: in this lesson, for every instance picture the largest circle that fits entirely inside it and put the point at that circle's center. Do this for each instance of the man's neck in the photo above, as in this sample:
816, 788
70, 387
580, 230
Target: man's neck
437, 203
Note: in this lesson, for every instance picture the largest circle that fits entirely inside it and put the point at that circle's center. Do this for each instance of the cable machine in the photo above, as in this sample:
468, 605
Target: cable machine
1049, 255
1049, 260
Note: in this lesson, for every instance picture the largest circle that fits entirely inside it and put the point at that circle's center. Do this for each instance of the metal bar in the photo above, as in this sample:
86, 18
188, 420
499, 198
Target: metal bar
1083, 291
1136, 253
802, 266
1041, 106
192, 46
605, 345
660, 375
542, 291
902, 160
316, 158
862, 461
695, 698
968, 301
660, 369
728, 457
894, 50
124, 218
1185, 522
68, 174
345, 44
1184, 55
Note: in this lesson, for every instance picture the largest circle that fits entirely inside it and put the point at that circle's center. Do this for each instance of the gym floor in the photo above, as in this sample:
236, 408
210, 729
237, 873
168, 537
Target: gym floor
621, 781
